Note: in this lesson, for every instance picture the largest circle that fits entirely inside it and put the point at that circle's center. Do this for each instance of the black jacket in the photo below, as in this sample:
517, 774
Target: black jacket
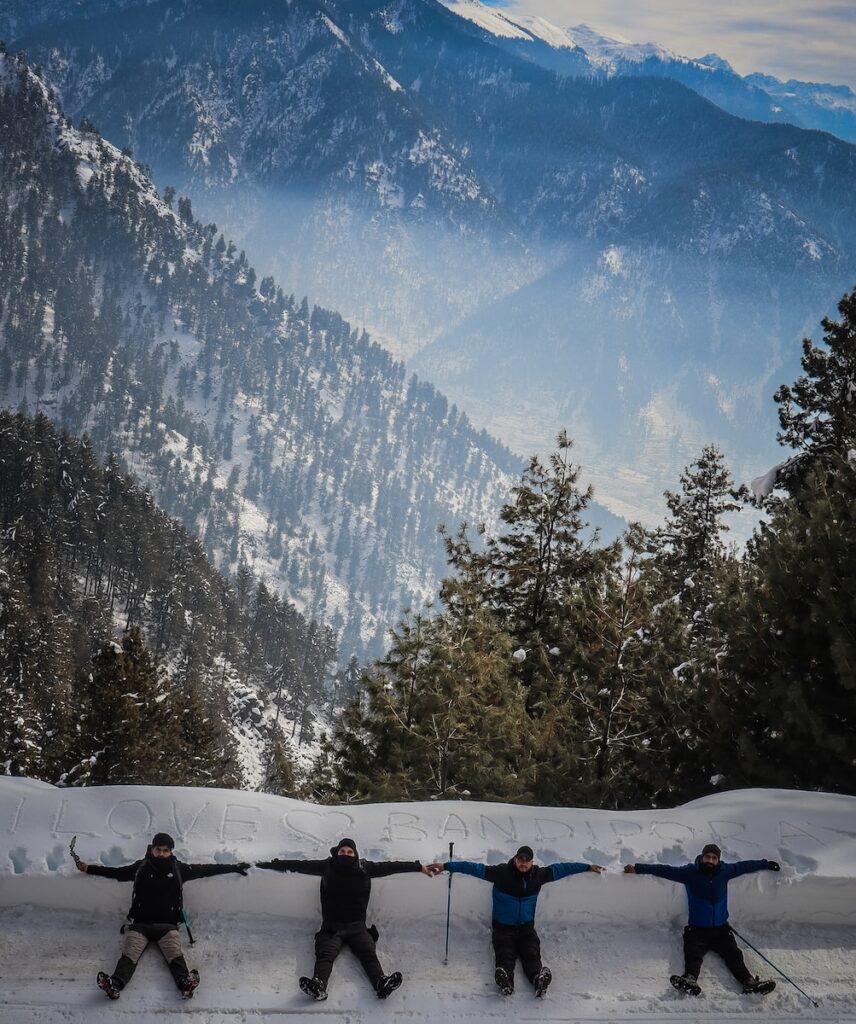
345, 887
157, 892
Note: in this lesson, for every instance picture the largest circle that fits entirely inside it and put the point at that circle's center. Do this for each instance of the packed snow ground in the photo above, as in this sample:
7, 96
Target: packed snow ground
611, 940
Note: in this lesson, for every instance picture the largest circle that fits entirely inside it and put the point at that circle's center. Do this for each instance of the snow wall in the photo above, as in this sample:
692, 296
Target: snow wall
813, 835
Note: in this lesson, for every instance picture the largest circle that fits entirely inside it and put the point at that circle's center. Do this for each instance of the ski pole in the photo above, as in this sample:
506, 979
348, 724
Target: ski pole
770, 962
187, 926
448, 908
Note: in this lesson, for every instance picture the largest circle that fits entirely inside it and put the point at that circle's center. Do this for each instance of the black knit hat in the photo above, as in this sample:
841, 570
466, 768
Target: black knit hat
163, 839
525, 853
712, 848
344, 842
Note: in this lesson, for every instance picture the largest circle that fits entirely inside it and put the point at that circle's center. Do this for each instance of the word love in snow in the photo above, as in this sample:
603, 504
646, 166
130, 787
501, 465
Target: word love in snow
212, 816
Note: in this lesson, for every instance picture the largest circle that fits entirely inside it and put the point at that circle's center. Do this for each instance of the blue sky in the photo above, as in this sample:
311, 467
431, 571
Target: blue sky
813, 40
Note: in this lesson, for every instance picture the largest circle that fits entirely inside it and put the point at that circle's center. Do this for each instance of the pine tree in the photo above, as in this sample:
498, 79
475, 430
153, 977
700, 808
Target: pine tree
133, 723
817, 413
441, 716
688, 547
280, 773
788, 704
530, 571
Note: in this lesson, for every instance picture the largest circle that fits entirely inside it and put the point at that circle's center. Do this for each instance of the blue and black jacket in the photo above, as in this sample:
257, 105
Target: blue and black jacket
515, 893
707, 894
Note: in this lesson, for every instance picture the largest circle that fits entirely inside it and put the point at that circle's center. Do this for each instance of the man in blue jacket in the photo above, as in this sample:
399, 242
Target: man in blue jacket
706, 881
516, 885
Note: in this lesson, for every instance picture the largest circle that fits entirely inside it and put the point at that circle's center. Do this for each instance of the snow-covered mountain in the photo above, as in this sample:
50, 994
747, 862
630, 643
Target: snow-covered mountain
831, 108
275, 432
611, 940
582, 50
614, 253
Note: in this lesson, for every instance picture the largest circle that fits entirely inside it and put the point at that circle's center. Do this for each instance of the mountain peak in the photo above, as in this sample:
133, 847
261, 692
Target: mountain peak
713, 60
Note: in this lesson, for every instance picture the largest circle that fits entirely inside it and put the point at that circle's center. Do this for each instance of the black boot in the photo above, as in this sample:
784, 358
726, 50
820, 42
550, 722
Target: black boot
388, 984
107, 985
686, 983
542, 981
504, 981
190, 984
314, 987
758, 987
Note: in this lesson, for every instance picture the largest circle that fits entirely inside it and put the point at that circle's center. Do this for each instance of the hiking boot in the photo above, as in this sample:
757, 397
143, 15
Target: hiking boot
542, 981
388, 984
108, 986
314, 987
686, 983
758, 987
189, 984
504, 981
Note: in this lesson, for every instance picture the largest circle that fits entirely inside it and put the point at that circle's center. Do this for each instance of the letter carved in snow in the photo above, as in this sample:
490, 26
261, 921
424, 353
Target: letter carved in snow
122, 818
403, 825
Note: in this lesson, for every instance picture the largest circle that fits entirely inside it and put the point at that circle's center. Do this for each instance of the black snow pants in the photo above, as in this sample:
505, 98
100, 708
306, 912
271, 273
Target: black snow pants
697, 941
329, 942
513, 941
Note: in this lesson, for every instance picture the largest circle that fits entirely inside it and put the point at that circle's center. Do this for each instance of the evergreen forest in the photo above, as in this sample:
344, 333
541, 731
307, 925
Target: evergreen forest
215, 499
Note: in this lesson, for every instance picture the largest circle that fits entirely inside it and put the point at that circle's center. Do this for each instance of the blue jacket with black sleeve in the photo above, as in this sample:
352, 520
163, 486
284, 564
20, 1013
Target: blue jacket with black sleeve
707, 894
515, 893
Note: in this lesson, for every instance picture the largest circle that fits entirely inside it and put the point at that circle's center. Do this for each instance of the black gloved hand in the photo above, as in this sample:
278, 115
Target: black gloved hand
244, 868
773, 865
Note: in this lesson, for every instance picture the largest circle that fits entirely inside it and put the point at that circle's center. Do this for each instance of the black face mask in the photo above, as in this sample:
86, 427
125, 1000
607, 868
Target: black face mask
708, 869
345, 863
161, 864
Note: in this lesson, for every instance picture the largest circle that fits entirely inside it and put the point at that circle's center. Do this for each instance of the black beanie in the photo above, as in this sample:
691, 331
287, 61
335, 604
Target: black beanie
525, 853
712, 848
344, 842
162, 839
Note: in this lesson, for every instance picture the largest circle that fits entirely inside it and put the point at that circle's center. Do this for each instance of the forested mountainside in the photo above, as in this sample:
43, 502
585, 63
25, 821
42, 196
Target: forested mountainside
277, 434
553, 246
191, 695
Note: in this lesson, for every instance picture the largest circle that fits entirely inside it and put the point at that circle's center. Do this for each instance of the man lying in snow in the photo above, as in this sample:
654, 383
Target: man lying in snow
156, 911
516, 885
346, 884
706, 881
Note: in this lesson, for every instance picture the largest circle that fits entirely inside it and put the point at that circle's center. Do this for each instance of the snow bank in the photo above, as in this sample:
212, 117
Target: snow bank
811, 834
612, 941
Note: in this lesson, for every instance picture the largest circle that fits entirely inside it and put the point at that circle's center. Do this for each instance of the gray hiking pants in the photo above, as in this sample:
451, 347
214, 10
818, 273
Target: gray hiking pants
137, 939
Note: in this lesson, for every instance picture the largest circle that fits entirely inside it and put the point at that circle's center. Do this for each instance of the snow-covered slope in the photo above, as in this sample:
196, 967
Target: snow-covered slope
611, 940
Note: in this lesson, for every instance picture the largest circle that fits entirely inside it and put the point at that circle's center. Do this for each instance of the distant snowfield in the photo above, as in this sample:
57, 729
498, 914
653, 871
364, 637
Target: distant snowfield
611, 941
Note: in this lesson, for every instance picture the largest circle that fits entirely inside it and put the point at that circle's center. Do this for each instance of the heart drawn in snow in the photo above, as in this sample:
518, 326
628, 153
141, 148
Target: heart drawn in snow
329, 825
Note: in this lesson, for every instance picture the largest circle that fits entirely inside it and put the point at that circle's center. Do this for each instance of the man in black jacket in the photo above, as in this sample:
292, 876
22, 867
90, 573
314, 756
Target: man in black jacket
156, 911
345, 889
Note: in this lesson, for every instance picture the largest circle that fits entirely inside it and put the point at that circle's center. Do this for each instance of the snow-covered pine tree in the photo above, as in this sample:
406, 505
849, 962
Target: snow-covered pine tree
133, 731
688, 548
817, 413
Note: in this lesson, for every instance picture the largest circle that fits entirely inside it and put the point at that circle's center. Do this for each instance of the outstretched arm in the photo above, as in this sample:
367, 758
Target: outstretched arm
671, 874
566, 868
302, 867
382, 868
191, 871
126, 873
466, 867
746, 867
